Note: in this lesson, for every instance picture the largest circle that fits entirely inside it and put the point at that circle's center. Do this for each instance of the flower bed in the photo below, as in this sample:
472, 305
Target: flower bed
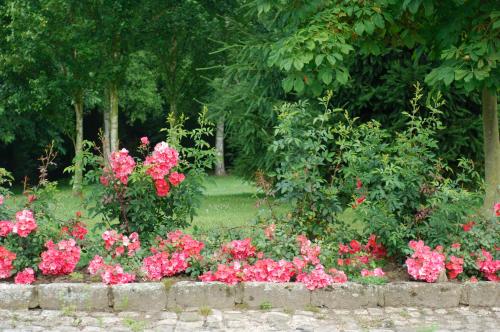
135, 249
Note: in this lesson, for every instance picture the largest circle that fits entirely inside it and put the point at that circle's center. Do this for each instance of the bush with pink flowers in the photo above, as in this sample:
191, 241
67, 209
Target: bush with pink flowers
155, 190
115, 254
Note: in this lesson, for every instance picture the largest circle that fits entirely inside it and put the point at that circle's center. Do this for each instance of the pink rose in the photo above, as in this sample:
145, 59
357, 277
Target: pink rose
176, 178
27, 276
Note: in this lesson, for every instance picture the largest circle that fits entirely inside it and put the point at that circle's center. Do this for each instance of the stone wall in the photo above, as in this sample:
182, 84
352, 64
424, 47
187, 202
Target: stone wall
187, 294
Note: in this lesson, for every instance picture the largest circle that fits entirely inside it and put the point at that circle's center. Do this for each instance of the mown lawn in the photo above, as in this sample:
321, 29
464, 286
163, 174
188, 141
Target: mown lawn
228, 202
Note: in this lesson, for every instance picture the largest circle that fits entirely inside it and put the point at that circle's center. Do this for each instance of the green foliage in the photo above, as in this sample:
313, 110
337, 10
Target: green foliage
301, 146
342, 178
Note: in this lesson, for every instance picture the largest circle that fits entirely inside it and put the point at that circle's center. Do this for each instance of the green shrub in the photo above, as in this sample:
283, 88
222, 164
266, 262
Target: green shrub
343, 180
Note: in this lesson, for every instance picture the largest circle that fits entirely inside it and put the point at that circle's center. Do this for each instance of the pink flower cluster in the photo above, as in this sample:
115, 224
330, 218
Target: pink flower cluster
239, 249
178, 241
162, 264
6, 258
339, 277
24, 225
118, 242
122, 165
317, 278
78, 231
265, 269
309, 252
454, 267
377, 272
262, 270
27, 276
424, 263
160, 163
110, 274
496, 209
60, 258
171, 256
489, 266
6, 227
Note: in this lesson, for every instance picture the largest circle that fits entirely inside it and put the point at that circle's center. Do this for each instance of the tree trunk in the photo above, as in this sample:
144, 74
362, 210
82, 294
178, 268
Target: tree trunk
78, 176
106, 146
491, 148
220, 169
113, 116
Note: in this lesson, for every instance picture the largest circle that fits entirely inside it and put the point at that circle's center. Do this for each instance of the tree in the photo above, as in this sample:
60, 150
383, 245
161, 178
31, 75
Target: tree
464, 37
308, 42
62, 44
117, 35
69, 32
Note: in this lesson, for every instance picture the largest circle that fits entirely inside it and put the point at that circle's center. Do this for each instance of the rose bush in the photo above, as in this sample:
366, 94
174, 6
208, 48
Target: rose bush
158, 190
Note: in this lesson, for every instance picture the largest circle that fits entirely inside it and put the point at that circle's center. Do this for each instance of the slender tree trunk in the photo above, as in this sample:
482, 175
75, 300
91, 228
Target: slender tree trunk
220, 169
113, 116
491, 148
78, 176
106, 147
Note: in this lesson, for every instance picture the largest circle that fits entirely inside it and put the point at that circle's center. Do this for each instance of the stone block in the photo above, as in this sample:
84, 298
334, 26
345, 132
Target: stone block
346, 296
74, 296
419, 294
197, 294
276, 295
14, 296
139, 297
481, 294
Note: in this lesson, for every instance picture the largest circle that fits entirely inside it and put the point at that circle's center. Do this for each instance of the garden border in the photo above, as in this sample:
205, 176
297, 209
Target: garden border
157, 296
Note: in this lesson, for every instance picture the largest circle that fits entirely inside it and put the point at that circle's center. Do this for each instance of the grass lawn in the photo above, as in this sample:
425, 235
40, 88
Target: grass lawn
228, 202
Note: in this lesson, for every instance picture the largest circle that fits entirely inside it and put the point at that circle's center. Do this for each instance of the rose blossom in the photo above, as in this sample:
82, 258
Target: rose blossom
162, 187
144, 140
60, 258
488, 266
377, 272
96, 264
240, 249
79, 231
338, 276
27, 276
6, 258
468, 226
25, 223
122, 165
176, 178
317, 278
6, 227
424, 264
454, 267
496, 208
309, 252
161, 161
